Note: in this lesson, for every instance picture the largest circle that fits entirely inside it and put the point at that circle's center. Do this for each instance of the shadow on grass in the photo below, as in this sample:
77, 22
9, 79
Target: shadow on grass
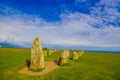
65, 64
37, 70
28, 63
56, 62
71, 58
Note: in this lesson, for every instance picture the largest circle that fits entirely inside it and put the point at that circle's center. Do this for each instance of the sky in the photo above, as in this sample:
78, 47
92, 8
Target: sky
61, 24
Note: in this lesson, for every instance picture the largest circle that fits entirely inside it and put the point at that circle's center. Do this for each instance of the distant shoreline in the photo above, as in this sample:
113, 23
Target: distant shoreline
112, 52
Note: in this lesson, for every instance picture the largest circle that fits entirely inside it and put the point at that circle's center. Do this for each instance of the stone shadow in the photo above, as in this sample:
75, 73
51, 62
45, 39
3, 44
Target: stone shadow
70, 58
28, 63
56, 62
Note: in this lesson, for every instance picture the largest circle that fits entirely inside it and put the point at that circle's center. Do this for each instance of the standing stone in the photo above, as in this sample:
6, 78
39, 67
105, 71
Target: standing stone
64, 57
45, 52
49, 52
37, 56
80, 53
67, 53
55, 51
83, 52
75, 56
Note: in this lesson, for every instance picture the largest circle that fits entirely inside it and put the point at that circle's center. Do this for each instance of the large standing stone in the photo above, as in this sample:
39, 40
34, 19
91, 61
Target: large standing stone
37, 56
75, 56
64, 57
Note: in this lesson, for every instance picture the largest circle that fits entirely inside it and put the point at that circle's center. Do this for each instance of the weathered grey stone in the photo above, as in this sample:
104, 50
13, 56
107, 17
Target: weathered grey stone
37, 56
75, 56
64, 57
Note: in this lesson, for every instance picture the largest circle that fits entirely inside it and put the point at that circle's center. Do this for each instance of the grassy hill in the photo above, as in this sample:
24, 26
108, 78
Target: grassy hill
91, 66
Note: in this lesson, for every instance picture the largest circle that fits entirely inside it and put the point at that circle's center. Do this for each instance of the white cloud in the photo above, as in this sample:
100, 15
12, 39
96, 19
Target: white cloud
109, 3
74, 29
107, 11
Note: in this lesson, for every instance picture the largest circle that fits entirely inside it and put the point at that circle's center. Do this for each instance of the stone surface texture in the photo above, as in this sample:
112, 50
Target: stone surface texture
64, 57
75, 56
37, 56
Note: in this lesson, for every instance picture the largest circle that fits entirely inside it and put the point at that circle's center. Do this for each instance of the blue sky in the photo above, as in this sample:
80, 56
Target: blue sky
70, 24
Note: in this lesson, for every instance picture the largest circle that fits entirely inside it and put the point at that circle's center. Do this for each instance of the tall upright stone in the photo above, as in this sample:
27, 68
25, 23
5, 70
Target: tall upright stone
75, 56
37, 55
64, 57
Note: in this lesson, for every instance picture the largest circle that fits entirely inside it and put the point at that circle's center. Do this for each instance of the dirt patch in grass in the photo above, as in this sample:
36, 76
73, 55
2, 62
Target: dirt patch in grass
49, 66
9, 72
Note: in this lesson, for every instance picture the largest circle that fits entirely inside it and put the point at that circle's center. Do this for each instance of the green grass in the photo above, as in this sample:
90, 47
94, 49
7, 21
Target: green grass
91, 66
37, 70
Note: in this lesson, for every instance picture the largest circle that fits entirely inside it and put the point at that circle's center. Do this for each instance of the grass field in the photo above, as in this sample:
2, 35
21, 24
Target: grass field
91, 66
